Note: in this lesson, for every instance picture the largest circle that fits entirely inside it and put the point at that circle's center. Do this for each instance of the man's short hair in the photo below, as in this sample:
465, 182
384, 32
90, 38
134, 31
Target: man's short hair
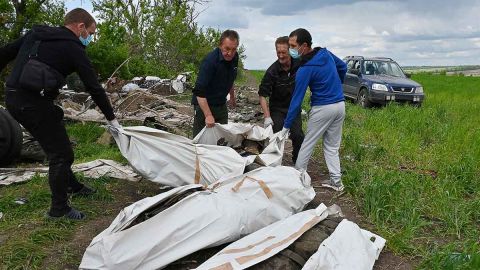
230, 34
79, 15
281, 40
303, 36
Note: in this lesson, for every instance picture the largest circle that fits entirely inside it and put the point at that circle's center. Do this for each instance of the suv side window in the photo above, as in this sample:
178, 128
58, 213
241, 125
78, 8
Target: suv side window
357, 65
350, 65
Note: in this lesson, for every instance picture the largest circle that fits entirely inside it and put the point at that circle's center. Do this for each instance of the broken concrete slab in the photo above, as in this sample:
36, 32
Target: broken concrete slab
93, 169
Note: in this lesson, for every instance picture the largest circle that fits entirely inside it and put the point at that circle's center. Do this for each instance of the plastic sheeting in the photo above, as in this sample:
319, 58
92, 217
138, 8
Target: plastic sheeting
349, 247
174, 160
266, 242
93, 169
223, 213
235, 133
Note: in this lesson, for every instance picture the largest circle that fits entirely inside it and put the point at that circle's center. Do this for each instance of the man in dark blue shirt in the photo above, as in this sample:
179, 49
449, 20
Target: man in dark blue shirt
215, 81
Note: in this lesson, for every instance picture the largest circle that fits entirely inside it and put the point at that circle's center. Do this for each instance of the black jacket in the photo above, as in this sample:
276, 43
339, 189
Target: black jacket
278, 85
60, 49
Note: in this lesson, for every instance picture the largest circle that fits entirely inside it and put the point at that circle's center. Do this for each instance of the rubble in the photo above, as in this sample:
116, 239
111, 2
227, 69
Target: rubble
136, 100
248, 108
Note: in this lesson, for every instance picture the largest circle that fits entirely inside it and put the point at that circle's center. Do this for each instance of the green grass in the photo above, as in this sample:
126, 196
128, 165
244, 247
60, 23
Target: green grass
413, 173
389, 155
27, 238
258, 75
85, 136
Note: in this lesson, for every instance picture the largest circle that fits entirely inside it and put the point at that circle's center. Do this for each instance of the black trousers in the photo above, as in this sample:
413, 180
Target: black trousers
44, 120
296, 132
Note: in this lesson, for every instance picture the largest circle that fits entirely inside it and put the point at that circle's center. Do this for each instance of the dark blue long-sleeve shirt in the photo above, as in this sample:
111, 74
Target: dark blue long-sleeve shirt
215, 78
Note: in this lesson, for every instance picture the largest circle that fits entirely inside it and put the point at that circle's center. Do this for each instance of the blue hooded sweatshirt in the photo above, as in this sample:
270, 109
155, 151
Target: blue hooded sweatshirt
324, 74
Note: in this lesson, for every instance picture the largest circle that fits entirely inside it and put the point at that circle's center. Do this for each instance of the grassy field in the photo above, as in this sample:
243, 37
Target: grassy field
413, 172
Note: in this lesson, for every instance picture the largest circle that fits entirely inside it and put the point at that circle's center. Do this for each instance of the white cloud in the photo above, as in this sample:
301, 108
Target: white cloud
412, 32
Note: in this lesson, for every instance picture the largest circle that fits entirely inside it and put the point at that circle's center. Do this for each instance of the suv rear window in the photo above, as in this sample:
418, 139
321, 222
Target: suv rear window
377, 67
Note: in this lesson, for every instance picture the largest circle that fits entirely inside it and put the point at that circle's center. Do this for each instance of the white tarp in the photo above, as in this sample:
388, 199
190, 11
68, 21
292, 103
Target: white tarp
174, 160
235, 133
349, 247
93, 169
266, 242
223, 213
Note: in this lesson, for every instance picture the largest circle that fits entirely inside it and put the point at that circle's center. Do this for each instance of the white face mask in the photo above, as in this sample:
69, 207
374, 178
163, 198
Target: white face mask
294, 53
87, 40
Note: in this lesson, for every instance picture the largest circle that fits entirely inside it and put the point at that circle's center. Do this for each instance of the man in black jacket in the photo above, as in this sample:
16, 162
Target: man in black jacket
53, 52
278, 84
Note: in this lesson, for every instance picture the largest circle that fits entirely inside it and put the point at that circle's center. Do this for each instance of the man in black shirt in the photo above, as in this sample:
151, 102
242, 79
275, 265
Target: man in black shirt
278, 84
43, 58
215, 81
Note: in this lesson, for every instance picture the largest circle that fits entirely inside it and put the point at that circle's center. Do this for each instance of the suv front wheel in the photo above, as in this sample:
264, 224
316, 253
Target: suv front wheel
362, 99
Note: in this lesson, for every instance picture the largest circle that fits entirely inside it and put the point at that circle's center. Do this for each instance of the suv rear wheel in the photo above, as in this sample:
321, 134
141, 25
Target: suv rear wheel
362, 99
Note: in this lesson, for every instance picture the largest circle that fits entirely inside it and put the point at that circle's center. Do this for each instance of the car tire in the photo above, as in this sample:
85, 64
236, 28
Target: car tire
16, 138
362, 99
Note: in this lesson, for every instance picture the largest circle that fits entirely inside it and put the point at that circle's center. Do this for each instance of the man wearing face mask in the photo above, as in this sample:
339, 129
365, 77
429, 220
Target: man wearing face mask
323, 73
277, 84
43, 58
215, 80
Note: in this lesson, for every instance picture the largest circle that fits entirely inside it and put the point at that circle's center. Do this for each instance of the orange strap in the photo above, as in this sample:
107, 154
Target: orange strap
225, 266
262, 184
197, 168
237, 250
265, 251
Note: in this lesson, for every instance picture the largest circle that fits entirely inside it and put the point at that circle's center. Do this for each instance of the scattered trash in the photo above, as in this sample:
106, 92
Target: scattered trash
93, 169
130, 87
21, 201
1, 215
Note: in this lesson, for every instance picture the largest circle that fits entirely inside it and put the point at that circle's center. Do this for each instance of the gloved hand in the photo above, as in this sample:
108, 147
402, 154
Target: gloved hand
113, 126
114, 123
284, 133
267, 122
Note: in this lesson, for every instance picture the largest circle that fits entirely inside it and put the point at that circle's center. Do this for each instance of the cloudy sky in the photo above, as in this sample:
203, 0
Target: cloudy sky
427, 32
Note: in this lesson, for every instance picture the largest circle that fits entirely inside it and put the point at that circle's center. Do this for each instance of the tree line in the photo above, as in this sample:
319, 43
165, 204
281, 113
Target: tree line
158, 37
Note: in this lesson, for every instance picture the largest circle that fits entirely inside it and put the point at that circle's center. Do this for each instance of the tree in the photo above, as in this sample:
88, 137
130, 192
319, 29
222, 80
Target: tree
162, 36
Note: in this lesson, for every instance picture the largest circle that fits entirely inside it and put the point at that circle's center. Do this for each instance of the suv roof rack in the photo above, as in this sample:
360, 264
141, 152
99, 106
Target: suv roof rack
382, 58
354, 56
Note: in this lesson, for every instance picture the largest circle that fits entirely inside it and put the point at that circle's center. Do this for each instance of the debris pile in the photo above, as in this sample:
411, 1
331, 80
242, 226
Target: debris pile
248, 108
143, 99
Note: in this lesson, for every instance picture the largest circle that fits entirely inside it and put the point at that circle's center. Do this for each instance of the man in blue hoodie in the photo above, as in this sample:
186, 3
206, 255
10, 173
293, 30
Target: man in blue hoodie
323, 73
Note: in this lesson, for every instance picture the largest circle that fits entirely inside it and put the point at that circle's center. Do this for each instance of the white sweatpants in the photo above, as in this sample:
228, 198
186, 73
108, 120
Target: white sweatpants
325, 122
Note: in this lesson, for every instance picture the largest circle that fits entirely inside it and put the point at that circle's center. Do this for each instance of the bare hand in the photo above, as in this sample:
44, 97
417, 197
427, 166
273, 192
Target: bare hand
209, 121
